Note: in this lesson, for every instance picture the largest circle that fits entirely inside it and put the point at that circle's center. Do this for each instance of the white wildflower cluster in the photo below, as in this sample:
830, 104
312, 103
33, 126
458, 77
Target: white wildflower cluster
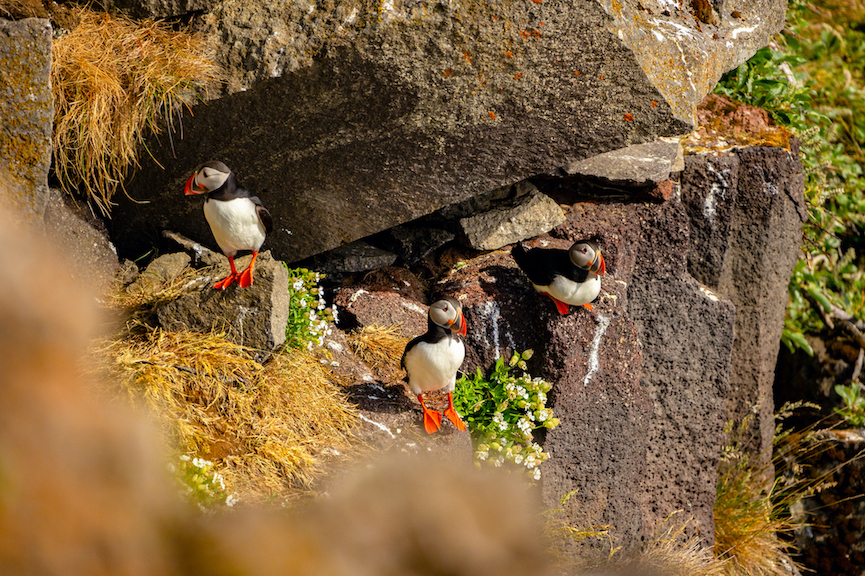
201, 483
308, 316
516, 408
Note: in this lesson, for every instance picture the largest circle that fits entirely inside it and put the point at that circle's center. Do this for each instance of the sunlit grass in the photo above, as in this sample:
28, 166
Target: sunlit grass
112, 80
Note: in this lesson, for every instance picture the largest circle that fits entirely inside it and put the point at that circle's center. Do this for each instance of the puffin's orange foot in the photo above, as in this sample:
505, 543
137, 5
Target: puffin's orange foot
245, 278
455, 418
225, 282
432, 420
588, 307
560, 306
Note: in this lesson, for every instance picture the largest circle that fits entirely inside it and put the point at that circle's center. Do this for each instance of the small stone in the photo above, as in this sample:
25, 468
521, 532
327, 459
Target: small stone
529, 216
637, 165
164, 269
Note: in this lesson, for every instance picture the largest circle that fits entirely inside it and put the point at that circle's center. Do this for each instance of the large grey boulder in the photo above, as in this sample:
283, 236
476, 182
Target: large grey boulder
351, 117
28, 110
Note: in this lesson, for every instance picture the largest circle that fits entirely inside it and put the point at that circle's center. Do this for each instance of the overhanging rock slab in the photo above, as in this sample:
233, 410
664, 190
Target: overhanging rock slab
351, 117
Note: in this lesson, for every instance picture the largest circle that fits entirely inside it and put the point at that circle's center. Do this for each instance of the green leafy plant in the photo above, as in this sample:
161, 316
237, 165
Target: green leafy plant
854, 404
307, 314
813, 82
201, 483
761, 82
503, 410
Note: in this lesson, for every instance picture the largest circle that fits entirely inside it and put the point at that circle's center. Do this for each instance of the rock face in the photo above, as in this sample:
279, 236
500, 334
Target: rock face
28, 110
351, 117
255, 317
83, 239
746, 211
627, 385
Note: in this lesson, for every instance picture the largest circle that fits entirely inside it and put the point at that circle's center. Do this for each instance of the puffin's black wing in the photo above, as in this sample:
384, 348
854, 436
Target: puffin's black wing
411, 344
263, 214
542, 265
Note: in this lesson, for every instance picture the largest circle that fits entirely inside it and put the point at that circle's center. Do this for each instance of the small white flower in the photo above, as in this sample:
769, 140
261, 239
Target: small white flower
309, 345
303, 302
483, 455
537, 474
542, 398
298, 285
518, 459
231, 500
498, 462
184, 457
335, 315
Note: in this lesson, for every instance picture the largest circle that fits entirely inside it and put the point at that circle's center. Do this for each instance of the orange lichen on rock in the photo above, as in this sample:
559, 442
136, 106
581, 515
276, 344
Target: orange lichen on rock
629, 117
725, 123
492, 115
654, 103
518, 76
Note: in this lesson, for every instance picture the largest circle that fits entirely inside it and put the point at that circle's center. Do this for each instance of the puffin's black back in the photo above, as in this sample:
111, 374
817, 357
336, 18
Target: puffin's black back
542, 265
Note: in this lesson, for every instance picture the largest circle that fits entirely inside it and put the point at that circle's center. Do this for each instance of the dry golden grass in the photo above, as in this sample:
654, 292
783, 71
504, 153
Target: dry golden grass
112, 79
379, 347
752, 503
263, 426
671, 552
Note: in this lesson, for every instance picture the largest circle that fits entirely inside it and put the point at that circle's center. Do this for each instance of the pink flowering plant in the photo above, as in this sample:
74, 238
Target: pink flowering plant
503, 411
308, 317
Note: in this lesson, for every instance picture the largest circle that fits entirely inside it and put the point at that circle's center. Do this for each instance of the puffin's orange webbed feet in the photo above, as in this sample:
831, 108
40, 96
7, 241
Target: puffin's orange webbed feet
588, 307
432, 419
560, 306
225, 282
245, 279
452, 414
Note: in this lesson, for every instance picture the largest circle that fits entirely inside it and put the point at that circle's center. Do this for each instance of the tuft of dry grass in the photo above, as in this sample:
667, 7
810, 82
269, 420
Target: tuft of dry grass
264, 427
112, 78
673, 553
379, 347
752, 505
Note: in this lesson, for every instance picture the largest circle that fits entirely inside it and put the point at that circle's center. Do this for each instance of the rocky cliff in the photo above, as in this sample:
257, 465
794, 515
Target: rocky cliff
350, 118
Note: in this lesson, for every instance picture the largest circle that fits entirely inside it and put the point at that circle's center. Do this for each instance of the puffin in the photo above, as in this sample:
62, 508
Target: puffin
238, 220
569, 277
431, 360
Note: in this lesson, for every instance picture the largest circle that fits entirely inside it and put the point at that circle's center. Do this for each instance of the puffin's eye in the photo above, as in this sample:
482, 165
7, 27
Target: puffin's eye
584, 250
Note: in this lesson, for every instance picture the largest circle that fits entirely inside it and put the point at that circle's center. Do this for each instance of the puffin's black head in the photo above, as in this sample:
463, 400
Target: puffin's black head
208, 178
448, 313
586, 254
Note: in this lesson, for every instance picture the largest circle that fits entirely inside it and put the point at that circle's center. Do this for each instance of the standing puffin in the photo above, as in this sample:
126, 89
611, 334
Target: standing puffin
569, 277
238, 220
432, 359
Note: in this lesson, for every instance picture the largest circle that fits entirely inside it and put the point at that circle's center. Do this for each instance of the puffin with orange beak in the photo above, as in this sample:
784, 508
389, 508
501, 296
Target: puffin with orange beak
238, 220
569, 277
432, 359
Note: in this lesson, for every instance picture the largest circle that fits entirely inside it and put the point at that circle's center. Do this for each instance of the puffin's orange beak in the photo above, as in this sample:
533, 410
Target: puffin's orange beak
462, 328
598, 266
189, 189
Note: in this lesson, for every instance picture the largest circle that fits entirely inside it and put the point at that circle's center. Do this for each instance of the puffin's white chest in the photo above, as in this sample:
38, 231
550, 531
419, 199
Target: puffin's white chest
434, 366
235, 224
570, 292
